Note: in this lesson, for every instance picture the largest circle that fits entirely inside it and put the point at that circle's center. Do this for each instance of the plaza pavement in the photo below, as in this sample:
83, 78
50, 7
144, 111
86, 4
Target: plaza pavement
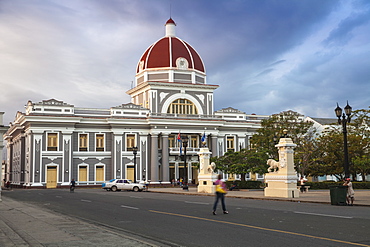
27, 225
362, 197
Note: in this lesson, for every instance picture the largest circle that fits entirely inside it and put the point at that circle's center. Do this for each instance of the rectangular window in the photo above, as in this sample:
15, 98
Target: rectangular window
99, 142
194, 142
230, 143
99, 171
52, 142
130, 142
83, 142
171, 141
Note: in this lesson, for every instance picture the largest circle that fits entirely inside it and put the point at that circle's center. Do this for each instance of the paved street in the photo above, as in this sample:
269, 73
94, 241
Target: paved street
160, 219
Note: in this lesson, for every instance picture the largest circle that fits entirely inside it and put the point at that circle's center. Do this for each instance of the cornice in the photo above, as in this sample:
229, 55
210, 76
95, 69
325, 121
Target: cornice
171, 85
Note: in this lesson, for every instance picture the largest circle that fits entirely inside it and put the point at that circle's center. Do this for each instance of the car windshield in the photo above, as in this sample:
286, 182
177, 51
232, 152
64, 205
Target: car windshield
112, 180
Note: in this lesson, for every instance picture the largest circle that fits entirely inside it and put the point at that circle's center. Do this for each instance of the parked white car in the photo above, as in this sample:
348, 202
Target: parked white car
123, 184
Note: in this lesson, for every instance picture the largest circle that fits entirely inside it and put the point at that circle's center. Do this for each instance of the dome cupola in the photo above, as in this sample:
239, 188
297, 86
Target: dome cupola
171, 59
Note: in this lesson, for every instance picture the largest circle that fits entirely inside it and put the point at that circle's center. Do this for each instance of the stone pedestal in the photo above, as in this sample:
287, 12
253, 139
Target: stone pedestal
283, 183
206, 175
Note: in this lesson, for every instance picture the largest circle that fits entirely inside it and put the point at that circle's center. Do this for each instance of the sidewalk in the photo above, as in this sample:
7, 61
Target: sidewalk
362, 197
28, 225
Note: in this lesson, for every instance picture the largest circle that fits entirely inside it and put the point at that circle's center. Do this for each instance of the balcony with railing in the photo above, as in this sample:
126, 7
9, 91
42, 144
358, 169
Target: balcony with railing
189, 151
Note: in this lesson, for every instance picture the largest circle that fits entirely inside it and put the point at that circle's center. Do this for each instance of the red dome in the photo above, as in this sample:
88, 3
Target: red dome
165, 52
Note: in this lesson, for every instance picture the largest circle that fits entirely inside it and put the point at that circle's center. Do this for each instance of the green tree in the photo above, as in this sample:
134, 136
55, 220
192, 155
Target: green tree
361, 165
300, 131
306, 154
361, 122
242, 162
330, 155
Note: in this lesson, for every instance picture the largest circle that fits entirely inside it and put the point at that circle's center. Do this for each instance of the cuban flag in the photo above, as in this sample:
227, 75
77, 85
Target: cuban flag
180, 144
203, 137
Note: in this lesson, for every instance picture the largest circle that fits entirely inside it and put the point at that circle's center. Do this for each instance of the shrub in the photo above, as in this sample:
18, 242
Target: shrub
246, 184
326, 185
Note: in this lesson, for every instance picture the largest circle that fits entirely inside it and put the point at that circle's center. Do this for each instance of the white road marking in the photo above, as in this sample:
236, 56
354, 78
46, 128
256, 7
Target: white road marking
59, 196
136, 197
123, 206
202, 203
82, 200
326, 215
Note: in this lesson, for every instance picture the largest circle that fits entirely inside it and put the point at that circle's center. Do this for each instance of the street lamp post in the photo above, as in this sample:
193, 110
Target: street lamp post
342, 119
134, 151
185, 144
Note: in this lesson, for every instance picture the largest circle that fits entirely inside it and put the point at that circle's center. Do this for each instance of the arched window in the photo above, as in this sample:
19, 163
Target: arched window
182, 106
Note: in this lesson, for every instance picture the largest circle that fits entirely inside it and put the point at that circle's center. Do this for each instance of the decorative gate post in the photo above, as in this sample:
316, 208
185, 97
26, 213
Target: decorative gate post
206, 175
283, 182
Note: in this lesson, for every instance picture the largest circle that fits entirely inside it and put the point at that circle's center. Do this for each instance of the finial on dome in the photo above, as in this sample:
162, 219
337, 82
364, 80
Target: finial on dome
170, 28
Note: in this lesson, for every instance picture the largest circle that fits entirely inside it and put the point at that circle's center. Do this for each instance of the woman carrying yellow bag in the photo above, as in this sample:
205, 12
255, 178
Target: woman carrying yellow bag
220, 194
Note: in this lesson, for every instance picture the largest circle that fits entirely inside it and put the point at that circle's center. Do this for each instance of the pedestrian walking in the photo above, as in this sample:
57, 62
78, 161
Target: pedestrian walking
220, 195
303, 181
73, 185
350, 192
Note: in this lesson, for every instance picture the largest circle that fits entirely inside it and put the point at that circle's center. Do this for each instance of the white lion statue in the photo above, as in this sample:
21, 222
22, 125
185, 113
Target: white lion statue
211, 167
274, 165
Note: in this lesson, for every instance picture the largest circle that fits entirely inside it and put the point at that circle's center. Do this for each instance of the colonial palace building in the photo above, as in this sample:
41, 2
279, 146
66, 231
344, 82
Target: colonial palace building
53, 142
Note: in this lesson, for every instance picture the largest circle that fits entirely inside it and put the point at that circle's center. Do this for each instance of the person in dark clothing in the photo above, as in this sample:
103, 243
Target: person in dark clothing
73, 185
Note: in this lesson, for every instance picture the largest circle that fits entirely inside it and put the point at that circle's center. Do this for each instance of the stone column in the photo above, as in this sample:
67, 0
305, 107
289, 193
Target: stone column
67, 158
165, 157
37, 159
28, 157
116, 168
143, 156
154, 158
214, 146
283, 183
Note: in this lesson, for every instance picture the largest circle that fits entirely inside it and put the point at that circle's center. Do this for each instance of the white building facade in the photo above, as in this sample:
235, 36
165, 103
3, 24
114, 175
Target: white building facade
53, 142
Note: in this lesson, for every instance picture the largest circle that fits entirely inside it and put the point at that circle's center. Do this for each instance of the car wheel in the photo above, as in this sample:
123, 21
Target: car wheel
136, 189
114, 188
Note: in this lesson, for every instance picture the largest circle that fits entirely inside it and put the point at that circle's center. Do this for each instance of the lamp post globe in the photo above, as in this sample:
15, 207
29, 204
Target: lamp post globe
344, 118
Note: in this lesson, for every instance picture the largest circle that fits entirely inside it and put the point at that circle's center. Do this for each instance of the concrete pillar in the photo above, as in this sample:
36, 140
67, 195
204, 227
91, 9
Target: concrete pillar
67, 158
165, 159
283, 183
206, 175
154, 159
214, 147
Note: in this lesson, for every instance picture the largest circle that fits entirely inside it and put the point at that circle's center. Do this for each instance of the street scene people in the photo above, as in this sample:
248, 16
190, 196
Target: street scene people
234, 186
302, 183
73, 185
350, 191
221, 190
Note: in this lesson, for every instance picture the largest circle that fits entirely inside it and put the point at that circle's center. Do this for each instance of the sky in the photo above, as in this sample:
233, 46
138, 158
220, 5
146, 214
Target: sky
267, 56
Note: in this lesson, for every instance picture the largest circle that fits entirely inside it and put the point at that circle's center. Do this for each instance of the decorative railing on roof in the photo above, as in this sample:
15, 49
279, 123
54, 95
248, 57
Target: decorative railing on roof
174, 115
